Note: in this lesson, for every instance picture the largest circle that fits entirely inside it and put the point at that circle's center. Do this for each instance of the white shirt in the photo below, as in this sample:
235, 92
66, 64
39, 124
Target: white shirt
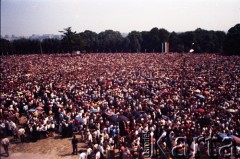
90, 137
89, 151
98, 155
83, 155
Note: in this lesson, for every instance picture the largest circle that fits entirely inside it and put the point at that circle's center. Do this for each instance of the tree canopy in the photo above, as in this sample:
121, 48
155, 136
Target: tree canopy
146, 41
232, 42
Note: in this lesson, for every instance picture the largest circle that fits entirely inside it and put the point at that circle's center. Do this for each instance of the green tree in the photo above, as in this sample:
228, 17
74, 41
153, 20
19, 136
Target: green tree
70, 39
89, 41
5, 47
176, 43
152, 40
221, 36
26, 46
135, 39
188, 39
232, 42
51, 45
110, 41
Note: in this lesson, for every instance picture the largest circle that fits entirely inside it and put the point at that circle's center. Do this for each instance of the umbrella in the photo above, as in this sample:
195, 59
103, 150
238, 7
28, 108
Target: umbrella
113, 118
39, 108
87, 95
58, 86
20, 93
79, 119
22, 120
109, 113
41, 105
201, 110
94, 110
204, 121
120, 96
3, 97
28, 74
138, 114
125, 90
236, 139
141, 82
32, 110
150, 103
206, 92
197, 91
232, 110
122, 118
200, 96
221, 88
60, 105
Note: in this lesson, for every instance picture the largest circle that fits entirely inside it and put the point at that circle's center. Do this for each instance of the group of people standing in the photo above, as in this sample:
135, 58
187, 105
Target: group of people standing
110, 100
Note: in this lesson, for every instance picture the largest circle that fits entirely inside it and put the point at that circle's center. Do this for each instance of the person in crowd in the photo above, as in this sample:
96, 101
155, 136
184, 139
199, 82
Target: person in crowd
74, 145
83, 155
5, 143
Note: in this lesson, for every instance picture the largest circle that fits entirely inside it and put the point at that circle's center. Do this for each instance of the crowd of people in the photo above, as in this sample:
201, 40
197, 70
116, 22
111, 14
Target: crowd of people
110, 100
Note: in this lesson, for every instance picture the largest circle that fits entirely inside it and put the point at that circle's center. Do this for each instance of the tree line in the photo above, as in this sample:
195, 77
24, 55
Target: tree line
110, 41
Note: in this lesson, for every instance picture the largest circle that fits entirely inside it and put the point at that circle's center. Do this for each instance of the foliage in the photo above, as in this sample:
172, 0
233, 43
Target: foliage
146, 41
232, 42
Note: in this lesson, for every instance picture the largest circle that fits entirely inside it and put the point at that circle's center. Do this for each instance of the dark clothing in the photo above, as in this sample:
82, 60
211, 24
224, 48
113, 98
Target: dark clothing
74, 145
6, 149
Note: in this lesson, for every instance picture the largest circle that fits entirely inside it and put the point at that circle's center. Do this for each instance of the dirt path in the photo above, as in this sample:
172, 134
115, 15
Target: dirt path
50, 148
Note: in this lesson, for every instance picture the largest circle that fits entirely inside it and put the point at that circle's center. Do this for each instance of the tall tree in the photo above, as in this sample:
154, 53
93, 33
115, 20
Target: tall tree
221, 36
135, 38
5, 47
89, 41
51, 46
70, 39
176, 43
188, 39
26, 46
110, 41
232, 42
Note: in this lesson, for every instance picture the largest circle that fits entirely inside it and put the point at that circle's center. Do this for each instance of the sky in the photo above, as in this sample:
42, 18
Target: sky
27, 17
